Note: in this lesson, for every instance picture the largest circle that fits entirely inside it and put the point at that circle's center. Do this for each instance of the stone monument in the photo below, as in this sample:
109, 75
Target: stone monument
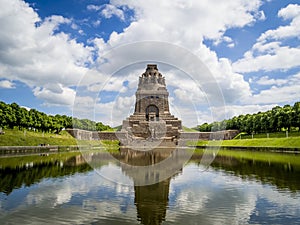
151, 121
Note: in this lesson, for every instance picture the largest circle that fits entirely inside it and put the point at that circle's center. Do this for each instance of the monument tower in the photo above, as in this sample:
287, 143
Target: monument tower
152, 119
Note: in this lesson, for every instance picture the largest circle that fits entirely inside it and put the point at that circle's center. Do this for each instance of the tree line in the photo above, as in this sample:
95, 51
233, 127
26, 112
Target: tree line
274, 120
13, 116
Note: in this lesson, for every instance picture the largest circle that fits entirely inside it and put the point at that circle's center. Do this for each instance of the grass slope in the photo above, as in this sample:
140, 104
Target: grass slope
291, 142
265, 142
30, 138
187, 129
271, 135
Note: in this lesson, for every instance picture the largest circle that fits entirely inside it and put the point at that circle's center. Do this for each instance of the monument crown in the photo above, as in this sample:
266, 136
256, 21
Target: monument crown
152, 79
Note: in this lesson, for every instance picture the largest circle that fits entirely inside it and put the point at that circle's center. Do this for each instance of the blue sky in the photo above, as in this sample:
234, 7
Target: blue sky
83, 57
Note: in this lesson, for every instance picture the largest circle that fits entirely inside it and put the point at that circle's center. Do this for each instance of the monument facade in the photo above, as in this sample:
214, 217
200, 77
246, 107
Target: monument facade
152, 120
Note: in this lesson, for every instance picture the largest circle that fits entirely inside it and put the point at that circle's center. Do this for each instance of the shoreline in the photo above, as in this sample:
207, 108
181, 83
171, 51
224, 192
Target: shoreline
251, 148
27, 150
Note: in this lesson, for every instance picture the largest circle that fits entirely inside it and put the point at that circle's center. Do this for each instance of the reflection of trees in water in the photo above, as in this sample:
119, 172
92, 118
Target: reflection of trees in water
281, 175
13, 178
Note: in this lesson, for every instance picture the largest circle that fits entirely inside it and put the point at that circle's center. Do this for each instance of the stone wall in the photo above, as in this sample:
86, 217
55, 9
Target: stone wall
81, 134
94, 135
110, 135
194, 135
219, 135
15, 150
230, 134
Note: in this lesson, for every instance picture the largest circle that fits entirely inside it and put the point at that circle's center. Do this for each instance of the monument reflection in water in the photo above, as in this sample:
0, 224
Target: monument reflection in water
150, 172
151, 192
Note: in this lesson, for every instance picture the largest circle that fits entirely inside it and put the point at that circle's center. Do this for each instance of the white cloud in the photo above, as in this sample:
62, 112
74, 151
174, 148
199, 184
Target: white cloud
117, 111
93, 7
172, 24
289, 12
261, 15
265, 80
231, 45
279, 58
6, 84
269, 53
96, 23
209, 19
64, 97
284, 91
284, 94
81, 32
236, 110
110, 10
225, 39
292, 12
269, 48
107, 10
34, 52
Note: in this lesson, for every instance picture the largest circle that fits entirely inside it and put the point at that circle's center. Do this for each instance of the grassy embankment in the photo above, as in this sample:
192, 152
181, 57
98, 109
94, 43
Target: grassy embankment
30, 138
187, 129
276, 140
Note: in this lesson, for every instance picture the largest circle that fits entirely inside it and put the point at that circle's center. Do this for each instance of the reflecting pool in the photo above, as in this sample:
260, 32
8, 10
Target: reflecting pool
91, 188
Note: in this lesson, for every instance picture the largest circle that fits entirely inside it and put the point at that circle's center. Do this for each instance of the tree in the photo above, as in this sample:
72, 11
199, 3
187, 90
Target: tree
9, 116
287, 117
296, 115
12, 115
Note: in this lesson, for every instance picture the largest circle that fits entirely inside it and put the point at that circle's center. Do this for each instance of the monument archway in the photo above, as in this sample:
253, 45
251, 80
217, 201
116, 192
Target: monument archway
152, 113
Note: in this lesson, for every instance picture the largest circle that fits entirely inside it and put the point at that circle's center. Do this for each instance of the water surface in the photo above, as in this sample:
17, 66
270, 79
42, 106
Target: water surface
64, 189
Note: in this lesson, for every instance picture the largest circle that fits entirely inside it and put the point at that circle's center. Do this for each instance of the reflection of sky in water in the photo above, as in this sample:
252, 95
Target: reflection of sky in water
211, 197
219, 198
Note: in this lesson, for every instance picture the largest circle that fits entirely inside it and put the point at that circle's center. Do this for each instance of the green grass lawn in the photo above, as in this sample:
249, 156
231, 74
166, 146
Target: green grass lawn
271, 135
14, 137
30, 138
187, 129
291, 142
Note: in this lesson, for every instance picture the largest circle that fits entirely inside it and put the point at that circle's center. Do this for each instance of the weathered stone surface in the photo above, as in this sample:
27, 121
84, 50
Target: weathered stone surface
152, 119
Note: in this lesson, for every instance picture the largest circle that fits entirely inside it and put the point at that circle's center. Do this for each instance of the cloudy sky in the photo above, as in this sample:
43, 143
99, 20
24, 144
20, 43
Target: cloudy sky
83, 57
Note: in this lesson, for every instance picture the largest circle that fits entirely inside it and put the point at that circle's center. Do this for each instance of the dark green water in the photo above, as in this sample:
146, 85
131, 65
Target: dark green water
67, 190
